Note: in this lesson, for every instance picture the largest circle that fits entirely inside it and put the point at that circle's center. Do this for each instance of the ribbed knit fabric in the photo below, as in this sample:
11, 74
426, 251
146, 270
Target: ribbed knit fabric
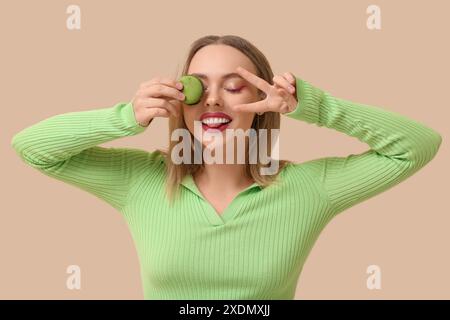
257, 247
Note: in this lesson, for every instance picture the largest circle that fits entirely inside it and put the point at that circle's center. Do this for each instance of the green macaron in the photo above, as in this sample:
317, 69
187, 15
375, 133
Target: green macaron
192, 89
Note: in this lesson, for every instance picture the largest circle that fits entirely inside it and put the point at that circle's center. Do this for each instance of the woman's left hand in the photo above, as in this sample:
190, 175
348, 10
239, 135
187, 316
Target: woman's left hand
280, 97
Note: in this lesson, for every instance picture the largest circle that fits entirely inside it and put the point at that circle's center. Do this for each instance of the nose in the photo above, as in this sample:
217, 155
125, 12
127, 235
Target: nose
212, 97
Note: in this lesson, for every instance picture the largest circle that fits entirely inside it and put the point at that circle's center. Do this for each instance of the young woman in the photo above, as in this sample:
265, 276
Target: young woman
226, 231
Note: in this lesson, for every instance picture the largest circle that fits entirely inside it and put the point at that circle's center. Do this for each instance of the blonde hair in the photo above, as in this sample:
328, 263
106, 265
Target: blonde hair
268, 120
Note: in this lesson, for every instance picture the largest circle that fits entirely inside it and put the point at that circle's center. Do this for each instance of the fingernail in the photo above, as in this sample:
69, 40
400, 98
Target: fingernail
179, 85
292, 89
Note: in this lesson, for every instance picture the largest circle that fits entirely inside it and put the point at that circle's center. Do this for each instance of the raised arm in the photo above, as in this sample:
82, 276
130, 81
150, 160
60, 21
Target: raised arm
65, 147
399, 146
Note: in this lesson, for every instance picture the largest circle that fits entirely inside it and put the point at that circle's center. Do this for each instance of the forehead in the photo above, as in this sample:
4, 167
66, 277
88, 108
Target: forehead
217, 61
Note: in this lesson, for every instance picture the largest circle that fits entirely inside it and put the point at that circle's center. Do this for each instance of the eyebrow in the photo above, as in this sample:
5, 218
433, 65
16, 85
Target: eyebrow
225, 76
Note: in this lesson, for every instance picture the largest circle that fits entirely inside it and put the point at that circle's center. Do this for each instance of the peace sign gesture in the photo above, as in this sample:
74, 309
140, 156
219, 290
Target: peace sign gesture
280, 97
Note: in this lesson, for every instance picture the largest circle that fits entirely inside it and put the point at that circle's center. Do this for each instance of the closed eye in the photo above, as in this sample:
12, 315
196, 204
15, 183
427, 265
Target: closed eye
234, 90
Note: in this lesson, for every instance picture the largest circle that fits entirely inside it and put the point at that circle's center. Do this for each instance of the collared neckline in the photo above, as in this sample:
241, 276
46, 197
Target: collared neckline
211, 214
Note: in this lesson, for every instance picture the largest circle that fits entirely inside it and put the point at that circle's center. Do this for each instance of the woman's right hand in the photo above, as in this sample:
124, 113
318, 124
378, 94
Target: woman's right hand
159, 97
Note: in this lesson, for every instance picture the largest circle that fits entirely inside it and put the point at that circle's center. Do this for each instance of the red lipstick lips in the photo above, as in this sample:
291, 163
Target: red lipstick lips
215, 124
215, 115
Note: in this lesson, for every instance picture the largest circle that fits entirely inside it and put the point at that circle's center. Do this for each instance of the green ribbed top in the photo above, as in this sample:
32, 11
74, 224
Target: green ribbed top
257, 247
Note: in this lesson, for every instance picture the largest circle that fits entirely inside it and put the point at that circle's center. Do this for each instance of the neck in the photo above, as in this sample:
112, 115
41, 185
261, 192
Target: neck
224, 176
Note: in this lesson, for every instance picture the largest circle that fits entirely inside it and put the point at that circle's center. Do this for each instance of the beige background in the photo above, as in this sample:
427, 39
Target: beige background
48, 69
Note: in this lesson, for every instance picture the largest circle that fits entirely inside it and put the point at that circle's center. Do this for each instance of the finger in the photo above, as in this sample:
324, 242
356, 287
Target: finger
160, 103
254, 79
284, 108
173, 109
290, 77
160, 90
163, 80
177, 105
259, 106
283, 83
160, 112
283, 92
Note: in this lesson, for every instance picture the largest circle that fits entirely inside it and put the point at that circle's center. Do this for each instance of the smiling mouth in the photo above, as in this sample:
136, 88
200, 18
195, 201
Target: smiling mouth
218, 123
215, 121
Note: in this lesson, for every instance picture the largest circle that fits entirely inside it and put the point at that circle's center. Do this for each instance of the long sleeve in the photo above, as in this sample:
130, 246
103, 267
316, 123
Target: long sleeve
65, 147
399, 146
